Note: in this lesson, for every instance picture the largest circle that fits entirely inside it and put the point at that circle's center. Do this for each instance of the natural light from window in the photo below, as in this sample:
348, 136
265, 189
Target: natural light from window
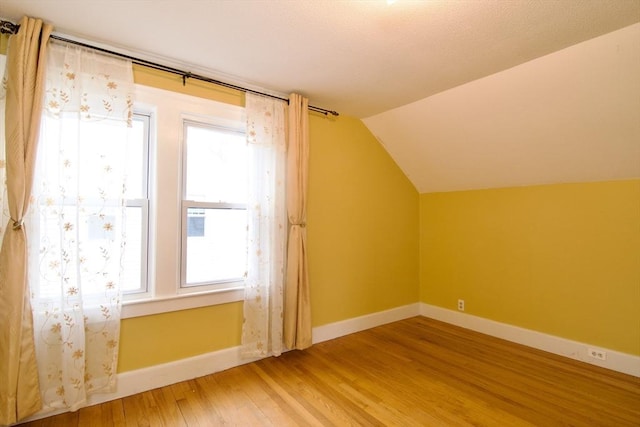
214, 206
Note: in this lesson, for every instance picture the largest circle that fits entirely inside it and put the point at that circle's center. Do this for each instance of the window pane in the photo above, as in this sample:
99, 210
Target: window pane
86, 150
220, 253
216, 165
76, 244
77, 154
133, 267
136, 164
195, 223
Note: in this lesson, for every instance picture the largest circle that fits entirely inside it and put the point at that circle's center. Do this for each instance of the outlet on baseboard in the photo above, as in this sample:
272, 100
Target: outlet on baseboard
461, 305
597, 353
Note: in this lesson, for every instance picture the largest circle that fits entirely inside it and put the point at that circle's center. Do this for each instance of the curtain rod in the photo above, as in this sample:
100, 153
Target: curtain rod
11, 28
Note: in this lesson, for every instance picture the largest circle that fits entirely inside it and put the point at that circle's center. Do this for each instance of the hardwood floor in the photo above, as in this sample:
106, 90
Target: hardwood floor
413, 372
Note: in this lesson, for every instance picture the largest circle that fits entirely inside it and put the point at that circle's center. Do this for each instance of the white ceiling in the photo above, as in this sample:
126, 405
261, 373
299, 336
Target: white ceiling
357, 57
452, 88
570, 116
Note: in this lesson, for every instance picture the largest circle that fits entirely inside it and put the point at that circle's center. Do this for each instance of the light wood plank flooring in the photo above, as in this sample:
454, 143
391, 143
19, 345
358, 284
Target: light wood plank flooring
416, 372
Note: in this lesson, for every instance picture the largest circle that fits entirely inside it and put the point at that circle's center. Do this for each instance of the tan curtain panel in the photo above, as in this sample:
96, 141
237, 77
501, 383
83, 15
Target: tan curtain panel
297, 311
19, 389
4, 43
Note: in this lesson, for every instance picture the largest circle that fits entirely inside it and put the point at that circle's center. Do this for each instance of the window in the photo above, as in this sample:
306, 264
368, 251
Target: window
185, 162
187, 198
70, 170
136, 263
214, 219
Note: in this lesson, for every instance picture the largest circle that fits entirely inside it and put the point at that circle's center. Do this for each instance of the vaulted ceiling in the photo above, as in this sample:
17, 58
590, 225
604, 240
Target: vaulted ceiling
463, 94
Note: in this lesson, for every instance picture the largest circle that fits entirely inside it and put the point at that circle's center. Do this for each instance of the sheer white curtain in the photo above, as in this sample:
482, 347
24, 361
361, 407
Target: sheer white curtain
266, 209
77, 223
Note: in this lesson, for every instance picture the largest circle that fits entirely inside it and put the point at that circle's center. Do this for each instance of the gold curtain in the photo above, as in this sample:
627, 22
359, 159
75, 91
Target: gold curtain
297, 310
19, 388
4, 42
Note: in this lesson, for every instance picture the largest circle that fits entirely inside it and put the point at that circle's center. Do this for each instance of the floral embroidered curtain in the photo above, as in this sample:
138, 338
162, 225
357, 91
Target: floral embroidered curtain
77, 226
267, 227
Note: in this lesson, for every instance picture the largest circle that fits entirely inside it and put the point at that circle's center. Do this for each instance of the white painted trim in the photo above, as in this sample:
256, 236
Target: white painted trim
146, 307
140, 380
357, 324
145, 379
617, 361
153, 377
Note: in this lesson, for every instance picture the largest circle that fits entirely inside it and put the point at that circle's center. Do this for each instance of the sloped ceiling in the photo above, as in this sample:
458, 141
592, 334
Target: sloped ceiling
570, 116
370, 58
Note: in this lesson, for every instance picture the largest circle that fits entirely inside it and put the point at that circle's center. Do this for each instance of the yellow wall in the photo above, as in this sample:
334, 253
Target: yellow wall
559, 259
152, 340
362, 228
362, 224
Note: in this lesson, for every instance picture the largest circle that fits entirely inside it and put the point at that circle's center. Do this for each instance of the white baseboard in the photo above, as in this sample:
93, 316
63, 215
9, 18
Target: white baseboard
357, 324
145, 379
140, 380
617, 361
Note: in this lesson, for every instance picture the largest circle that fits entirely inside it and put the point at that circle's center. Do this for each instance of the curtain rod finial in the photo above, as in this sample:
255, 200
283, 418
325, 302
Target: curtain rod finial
7, 27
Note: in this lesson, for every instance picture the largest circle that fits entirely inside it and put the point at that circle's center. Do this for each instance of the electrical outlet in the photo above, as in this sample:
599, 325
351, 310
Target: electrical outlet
597, 353
461, 305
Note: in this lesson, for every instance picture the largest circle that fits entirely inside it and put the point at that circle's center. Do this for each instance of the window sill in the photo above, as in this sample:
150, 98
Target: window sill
146, 307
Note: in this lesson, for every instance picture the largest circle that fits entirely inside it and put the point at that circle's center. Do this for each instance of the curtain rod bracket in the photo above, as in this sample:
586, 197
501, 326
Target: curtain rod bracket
185, 76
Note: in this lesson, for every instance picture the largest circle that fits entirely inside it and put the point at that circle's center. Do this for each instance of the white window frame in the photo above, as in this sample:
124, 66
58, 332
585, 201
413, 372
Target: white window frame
168, 111
223, 126
143, 203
